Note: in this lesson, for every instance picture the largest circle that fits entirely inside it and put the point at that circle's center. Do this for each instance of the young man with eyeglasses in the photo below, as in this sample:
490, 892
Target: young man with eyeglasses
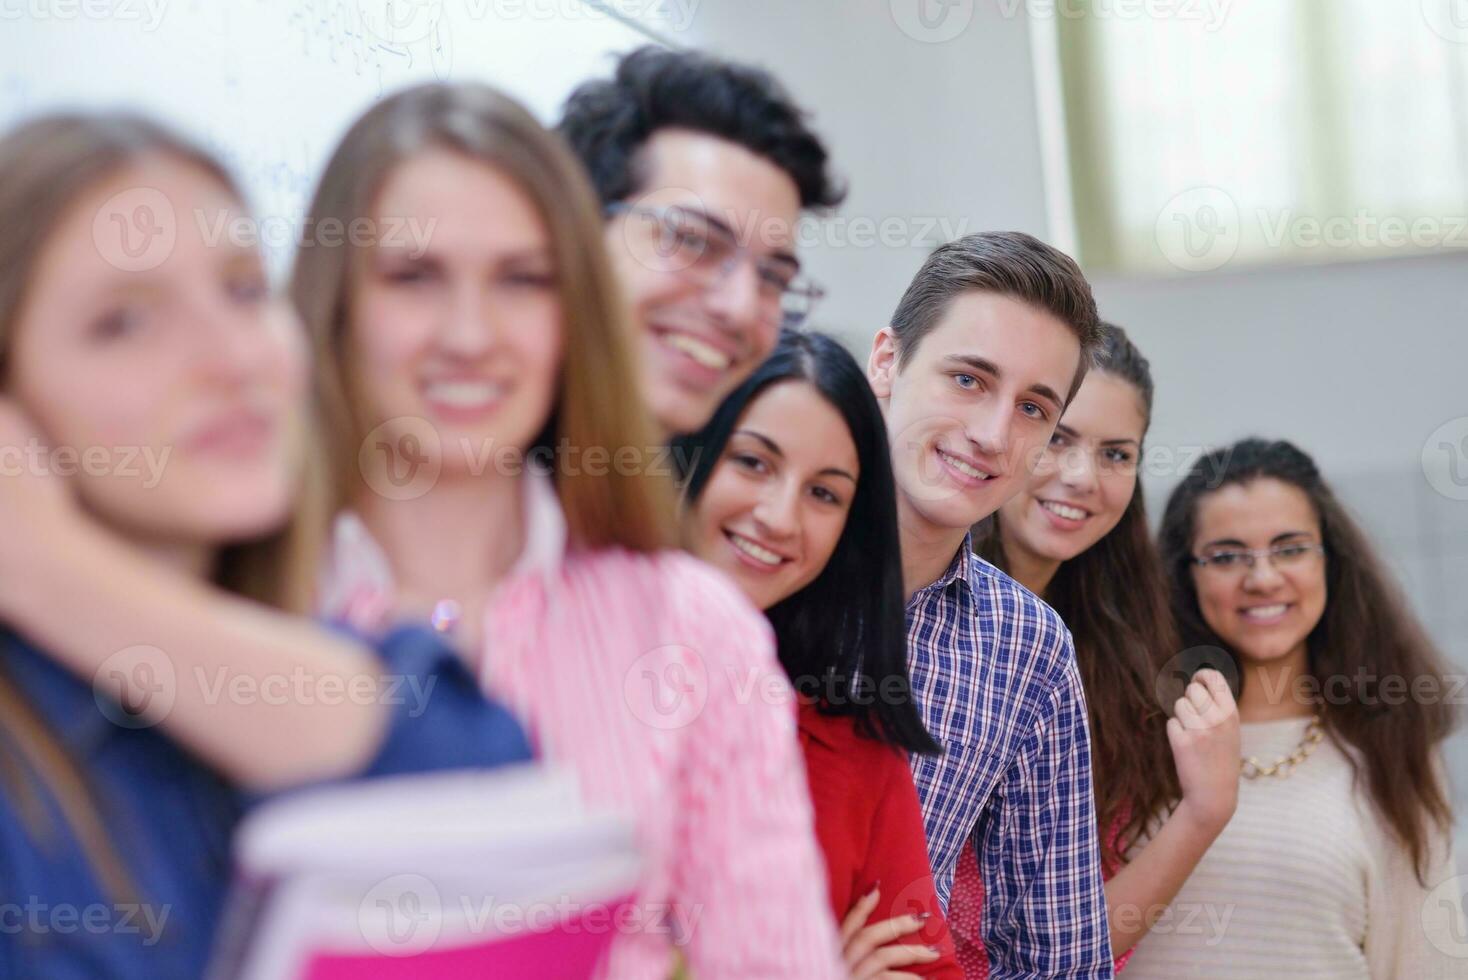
989, 342
704, 167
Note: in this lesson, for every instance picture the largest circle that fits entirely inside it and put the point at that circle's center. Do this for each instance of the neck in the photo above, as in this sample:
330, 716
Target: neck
927, 548
193, 560
1034, 572
455, 542
1271, 689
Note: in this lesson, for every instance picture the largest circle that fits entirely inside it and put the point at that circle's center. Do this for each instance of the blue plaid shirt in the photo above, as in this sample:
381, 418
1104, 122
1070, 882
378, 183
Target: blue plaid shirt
994, 672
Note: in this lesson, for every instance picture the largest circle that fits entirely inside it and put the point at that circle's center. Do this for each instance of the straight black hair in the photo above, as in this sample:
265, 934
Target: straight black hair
842, 638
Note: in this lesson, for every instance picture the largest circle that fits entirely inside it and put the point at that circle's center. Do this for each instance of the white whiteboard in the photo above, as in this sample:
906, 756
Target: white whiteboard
270, 85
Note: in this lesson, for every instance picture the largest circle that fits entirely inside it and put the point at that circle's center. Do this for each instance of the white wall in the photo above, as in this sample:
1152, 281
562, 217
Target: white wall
1358, 363
270, 85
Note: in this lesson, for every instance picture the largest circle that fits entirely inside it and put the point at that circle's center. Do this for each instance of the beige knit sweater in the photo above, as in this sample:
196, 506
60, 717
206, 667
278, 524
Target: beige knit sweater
1304, 883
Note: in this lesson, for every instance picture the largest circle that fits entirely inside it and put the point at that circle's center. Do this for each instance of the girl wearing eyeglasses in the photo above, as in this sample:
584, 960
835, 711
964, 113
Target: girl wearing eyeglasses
1077, 535
1338, 860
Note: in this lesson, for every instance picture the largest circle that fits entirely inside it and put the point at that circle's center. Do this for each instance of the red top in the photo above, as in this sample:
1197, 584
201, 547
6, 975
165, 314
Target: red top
870, 828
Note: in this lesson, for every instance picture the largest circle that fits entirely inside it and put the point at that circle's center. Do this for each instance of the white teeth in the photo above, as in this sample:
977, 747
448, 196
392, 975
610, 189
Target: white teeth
1064, 510
705, 354
747, 546
463, 394
962, 467
1266, 612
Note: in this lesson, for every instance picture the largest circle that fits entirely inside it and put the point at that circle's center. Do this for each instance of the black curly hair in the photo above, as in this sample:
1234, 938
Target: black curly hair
608, 121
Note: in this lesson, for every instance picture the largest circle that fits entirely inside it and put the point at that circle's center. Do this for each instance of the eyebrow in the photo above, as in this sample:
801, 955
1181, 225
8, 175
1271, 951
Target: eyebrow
1236, 543
781, 255
989, 367
772, 447
1070, 433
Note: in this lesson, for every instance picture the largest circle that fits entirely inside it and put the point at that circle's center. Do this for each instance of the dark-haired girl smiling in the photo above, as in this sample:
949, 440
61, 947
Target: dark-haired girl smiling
792, 495
1338, 860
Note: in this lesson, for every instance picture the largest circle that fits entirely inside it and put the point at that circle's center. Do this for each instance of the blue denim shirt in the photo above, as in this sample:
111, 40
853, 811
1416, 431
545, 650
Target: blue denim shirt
169, 817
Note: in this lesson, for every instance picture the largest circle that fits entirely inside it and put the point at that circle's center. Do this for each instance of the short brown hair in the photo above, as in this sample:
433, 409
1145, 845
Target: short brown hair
1009, 263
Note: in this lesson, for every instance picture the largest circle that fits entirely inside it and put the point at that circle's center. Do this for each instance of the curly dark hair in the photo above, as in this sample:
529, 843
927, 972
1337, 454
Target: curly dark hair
609, 120
1367, 629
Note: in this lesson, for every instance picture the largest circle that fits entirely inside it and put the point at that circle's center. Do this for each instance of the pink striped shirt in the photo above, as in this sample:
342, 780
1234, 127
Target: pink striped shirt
656, 682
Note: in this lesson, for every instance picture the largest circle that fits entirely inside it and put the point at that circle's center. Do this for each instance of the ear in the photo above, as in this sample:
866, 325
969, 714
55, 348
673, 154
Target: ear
882, 363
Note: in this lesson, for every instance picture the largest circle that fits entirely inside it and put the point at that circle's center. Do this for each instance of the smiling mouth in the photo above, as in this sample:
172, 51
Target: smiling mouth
1065, 510
464, 396
755, 550
1265, 613
700, 351
967, 469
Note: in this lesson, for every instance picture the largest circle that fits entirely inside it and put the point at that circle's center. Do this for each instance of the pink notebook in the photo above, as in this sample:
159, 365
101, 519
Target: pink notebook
446, 875
567, 951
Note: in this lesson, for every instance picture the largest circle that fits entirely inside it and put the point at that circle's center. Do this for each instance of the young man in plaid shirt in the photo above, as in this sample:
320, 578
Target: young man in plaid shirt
988, 344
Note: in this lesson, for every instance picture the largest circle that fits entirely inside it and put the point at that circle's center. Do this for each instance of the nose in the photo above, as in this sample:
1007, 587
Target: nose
468, 326
988, 428
1263, 576
1078, 470
778, 510
237, 344
736, 306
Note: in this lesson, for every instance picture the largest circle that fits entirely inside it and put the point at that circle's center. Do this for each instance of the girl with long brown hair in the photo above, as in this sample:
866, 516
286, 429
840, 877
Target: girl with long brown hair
1077, 536
1338, 862
497, 474
158, 492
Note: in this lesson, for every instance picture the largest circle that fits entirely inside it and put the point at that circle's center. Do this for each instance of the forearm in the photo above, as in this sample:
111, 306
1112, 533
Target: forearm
1148, 883
268, 699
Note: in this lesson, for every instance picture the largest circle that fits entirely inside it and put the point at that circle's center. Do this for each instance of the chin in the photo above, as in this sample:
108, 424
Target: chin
1045, 543
958, 511
246, 523
679, 412
1265, 650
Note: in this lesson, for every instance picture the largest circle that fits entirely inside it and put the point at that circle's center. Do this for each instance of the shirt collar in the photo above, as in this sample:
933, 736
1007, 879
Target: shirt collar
962, 567
357, 582
545, 528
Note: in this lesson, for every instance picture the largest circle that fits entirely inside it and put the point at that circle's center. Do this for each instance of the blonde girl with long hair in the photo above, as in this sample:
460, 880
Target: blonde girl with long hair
159, 500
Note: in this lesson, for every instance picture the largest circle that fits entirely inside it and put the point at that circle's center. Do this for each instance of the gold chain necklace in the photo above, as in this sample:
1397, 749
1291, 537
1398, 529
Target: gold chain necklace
1252, 768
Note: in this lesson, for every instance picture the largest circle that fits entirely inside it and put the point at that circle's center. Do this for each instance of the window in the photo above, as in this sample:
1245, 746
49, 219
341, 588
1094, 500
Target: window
1213, 133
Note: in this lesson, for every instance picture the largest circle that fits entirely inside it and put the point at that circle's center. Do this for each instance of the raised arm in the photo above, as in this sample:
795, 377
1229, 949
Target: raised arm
268, 699
1204, 736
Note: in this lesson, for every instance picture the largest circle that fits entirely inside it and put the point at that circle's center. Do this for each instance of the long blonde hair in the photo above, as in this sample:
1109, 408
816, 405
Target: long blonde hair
46, 166
598, 404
